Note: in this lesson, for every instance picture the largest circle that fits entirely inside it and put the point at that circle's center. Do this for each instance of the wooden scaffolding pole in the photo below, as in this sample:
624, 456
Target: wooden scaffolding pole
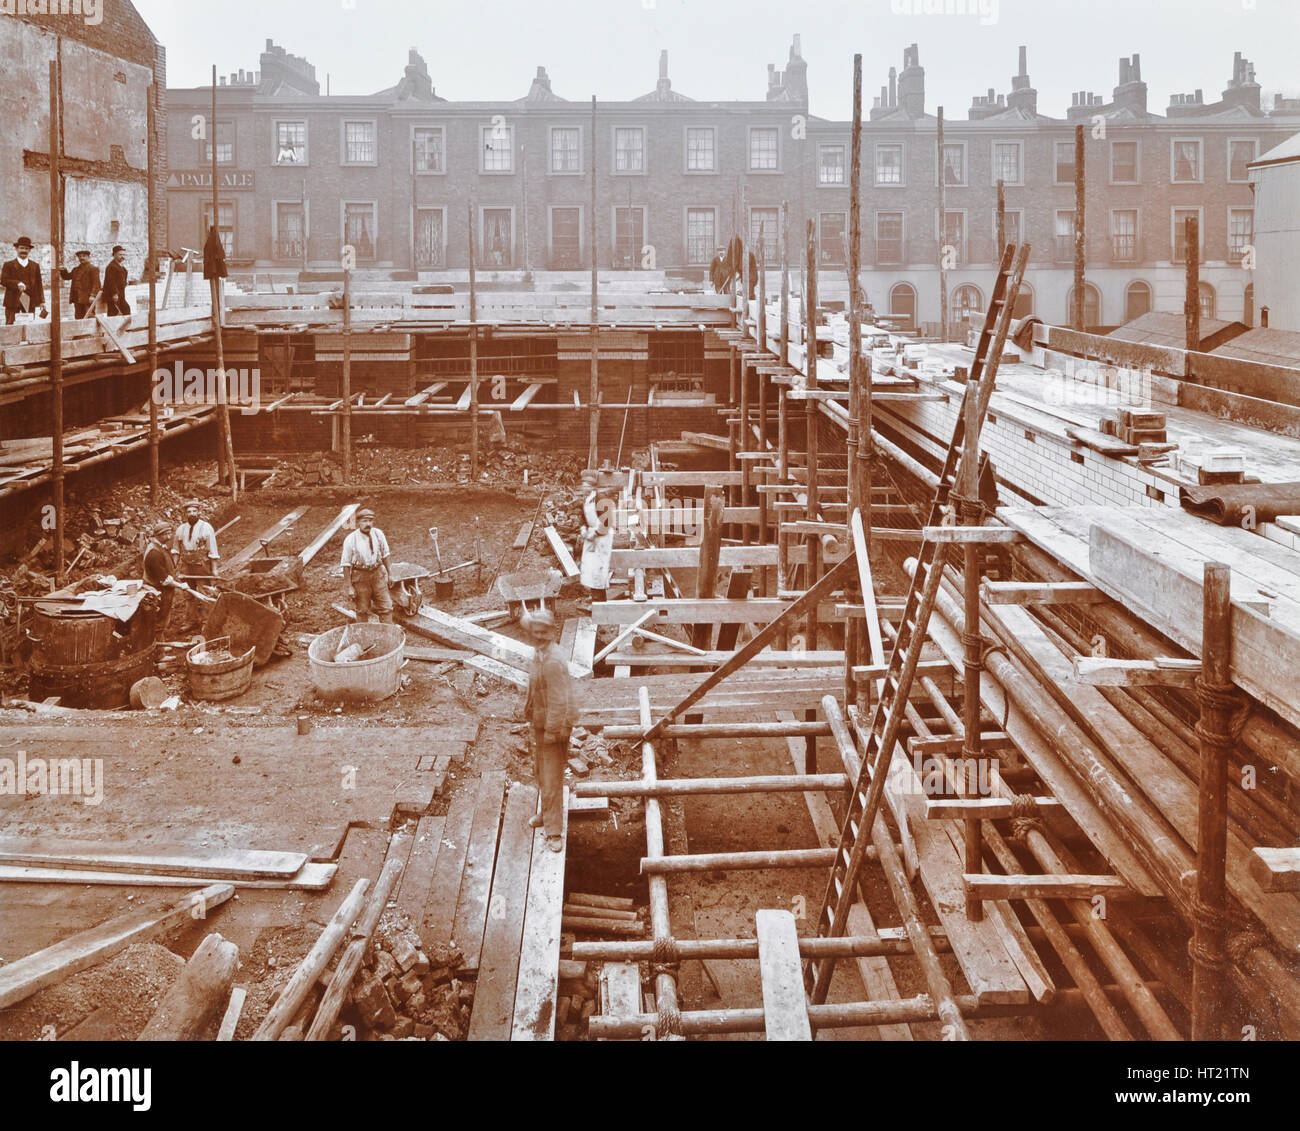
784, 237
859, 453
593, 393
1192, 293
347, 372
1080, 245
225, 441
968, 506
473, 356
151, 275
943, 232
1217, 730
56, 315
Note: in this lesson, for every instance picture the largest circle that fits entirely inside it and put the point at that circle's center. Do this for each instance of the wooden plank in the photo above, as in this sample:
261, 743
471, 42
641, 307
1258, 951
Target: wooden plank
499, 670
1276, 869
1041, 593
785, 1005
257, 547
312, 876
690, 610
521, 539
765, 659
111, 335
498, 972
230, 1019
584, 644
463, 403
620, 989
988, 886
1099, 671
24, 976
539, 956
525, 398
177, 860
1166, 588
994, 535
561, 552
417, 875
343, 518
480, 859
439, 912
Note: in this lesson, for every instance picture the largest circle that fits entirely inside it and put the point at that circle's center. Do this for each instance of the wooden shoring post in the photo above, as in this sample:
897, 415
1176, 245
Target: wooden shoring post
762, 291
1218, 729
593, 392
706, 576
782, 437
1002, 217
859, 432
1192, 284
151, 276
661, 926
225, 440
744, 260
473, 355
733, 446
785, 285
1080, 244
56, 315
811, 444
968, 506
834, 577
733, 376
347, 369
943, 230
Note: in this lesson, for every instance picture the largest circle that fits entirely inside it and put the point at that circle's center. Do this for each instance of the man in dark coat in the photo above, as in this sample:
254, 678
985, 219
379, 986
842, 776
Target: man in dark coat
85, 285
115, 283
21, 279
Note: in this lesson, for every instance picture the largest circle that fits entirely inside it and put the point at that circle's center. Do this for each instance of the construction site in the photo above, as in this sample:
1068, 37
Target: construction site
930, 684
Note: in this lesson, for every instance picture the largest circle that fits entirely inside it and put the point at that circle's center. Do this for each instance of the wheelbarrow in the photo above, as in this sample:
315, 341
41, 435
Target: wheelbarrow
535, 586
247, 622
404, 586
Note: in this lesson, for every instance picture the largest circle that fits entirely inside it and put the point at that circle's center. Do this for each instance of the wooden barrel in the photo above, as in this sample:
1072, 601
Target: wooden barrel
78, 636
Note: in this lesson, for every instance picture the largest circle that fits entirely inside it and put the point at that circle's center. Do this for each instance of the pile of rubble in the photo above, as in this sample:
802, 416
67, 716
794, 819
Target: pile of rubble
405, 991
579, 998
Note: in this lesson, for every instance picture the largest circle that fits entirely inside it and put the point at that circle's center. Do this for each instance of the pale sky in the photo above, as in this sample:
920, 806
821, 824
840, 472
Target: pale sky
719, 49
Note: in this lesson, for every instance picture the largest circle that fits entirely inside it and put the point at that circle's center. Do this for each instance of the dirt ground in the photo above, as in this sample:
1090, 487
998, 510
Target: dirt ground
275, 928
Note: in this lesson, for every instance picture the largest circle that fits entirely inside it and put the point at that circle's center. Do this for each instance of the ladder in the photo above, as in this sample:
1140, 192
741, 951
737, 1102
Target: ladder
887, 719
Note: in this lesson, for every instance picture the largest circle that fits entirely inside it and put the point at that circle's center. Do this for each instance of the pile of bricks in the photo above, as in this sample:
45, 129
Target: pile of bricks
408, 993
579, 998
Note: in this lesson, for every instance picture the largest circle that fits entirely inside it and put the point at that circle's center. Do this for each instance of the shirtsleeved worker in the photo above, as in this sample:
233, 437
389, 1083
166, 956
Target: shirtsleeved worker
552, 709
160, 572
365, 568
194, 546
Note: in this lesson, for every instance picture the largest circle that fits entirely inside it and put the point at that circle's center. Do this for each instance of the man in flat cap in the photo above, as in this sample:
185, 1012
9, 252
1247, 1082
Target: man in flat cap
85, 285
115, 283
21, 279
194, 545
365, 568
160, 572
552, 711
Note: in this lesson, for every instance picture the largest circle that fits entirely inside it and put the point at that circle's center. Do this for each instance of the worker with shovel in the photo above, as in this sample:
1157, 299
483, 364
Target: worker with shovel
552, 709
365, 568
194, 544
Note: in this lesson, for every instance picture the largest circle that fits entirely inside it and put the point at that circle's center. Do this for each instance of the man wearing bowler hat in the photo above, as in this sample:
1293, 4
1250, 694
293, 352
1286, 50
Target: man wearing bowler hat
85, 285
115, 283
365, 568
552, 709
21, 279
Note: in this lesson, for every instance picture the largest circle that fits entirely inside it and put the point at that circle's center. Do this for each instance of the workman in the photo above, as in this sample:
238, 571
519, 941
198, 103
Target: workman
194, 546
366, 560
552, 711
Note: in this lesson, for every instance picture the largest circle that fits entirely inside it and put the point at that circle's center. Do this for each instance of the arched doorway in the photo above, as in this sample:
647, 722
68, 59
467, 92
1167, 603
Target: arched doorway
902, 303
1137, 300
1248, 305
1209, 300
1091, 306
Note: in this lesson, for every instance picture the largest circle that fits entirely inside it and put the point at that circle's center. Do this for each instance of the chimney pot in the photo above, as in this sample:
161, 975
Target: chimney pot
1024, 60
